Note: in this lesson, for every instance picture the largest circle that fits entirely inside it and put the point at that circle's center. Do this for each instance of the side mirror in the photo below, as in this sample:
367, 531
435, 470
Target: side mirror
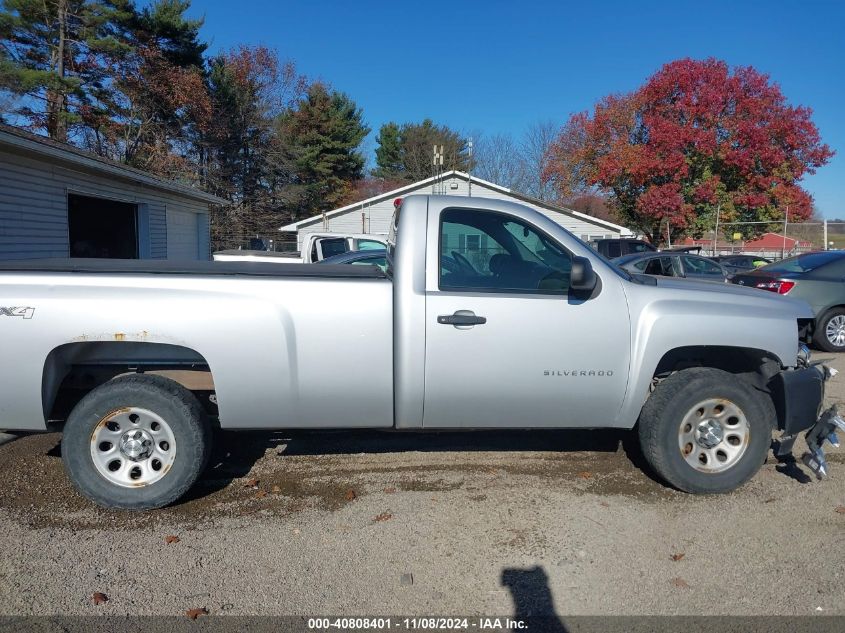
582, 276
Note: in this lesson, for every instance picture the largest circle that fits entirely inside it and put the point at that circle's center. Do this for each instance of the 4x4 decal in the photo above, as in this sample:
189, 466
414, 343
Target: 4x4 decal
26, 313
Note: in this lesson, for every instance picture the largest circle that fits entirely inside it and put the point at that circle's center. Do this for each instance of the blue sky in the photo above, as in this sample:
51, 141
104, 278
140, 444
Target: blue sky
498, 66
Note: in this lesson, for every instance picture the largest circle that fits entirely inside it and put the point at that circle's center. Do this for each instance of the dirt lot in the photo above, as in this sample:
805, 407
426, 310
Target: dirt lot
458, 523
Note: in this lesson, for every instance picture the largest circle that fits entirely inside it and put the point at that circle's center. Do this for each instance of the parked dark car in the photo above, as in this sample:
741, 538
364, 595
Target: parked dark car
819, 279
741, 263
620, 246
670, 264
376, 257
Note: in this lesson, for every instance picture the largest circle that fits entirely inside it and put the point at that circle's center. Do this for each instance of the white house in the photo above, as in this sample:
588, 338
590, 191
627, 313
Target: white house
374, 214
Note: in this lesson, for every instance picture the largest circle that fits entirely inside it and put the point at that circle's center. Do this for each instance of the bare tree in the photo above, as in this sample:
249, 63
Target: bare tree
498, 158
534, 150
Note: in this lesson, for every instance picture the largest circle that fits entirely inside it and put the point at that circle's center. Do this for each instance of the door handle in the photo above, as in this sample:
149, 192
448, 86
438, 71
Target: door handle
461, 319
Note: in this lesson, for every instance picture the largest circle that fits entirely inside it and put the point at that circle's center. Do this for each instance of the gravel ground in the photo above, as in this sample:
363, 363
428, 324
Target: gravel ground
453, 523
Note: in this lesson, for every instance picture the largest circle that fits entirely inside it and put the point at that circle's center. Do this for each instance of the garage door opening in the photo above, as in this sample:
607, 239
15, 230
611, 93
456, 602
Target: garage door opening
102, 228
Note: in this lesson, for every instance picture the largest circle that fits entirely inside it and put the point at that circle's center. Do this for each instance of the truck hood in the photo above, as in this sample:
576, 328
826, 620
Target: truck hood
719, 293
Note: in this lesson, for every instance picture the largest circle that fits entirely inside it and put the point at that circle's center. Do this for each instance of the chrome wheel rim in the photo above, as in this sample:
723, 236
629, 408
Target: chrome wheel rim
835, 330
133, 447
713, 435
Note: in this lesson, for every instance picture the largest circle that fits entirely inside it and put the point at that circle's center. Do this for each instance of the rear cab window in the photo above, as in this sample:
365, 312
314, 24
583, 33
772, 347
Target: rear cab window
331, 246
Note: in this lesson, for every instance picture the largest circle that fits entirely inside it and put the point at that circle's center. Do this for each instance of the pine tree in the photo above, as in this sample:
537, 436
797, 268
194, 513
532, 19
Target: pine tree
418, 141
389, 152
406, 152
325, 132
49, 58
152, 111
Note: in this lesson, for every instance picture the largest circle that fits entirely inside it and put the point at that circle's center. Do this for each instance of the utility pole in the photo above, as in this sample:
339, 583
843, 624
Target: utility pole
716, 233
785, 223
825, 233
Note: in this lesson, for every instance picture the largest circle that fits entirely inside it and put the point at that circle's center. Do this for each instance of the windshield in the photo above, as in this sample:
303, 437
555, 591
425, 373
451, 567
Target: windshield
804, 263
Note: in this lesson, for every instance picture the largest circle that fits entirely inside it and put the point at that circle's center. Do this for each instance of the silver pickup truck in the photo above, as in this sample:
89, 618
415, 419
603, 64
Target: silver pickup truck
489, 316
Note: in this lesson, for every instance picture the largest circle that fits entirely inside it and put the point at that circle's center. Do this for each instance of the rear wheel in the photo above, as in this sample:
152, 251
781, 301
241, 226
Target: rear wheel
830, 331
703, 430
137, 442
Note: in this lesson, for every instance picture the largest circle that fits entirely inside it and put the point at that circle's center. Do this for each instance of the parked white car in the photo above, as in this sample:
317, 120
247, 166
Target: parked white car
317, 247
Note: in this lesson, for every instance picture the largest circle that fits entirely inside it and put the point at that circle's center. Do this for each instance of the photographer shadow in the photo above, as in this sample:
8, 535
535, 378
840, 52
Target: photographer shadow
532, 598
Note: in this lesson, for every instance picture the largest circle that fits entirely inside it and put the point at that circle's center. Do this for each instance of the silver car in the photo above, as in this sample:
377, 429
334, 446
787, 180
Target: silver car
668, 264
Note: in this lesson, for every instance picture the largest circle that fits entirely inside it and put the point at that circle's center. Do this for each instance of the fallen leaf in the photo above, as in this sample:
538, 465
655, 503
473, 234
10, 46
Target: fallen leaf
677, 557
195, 613
680, 582
840, 510
99, 598
384, 516
275, 489
350, 495
390, 490
770, 499
251, 483
260, 494
585, 475
604, 504
171, 539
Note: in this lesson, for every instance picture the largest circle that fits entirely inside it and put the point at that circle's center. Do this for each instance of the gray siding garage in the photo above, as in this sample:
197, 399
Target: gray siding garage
59, 201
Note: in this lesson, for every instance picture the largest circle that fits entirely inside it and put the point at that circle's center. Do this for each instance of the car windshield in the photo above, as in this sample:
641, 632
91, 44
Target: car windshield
804, 263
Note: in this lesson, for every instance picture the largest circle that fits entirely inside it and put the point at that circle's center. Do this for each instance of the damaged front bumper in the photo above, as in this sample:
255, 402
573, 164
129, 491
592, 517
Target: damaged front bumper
799, 397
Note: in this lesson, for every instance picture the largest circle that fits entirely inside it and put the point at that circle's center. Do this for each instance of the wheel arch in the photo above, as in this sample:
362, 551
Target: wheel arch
73, 369
755, 366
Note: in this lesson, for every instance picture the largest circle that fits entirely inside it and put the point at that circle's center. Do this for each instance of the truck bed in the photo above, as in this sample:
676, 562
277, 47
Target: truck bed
202, 268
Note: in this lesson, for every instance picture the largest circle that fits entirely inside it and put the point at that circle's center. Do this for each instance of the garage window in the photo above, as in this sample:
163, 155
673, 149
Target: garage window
102, 228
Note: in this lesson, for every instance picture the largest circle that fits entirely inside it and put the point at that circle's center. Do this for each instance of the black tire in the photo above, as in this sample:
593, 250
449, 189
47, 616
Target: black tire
676, 397
820, 331
184, 416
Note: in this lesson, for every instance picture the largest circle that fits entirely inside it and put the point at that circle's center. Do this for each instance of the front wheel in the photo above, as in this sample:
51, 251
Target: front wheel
137, 442
703, 430
829, 334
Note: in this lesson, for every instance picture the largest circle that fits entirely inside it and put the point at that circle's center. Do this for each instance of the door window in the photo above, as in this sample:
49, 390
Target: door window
661, 266
701, 266
487, 251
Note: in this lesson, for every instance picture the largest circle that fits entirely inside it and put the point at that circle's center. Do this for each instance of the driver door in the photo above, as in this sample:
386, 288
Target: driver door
507, 343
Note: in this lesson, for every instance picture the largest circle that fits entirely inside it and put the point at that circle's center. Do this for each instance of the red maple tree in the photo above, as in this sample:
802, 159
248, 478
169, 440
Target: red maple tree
696, 140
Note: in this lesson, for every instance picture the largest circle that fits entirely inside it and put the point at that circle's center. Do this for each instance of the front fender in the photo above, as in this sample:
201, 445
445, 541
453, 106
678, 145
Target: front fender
669, 318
